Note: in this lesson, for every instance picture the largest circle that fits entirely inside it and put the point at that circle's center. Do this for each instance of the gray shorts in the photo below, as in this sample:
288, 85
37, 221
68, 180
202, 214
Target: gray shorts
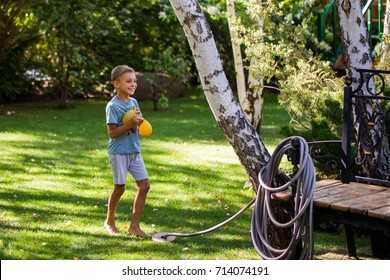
133, 163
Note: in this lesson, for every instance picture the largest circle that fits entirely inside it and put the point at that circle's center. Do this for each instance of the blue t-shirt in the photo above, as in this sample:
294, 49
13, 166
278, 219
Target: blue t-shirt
126, 143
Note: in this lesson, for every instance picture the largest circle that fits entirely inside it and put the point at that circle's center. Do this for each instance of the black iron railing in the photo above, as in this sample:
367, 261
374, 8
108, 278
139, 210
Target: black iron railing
327, 154
369, 127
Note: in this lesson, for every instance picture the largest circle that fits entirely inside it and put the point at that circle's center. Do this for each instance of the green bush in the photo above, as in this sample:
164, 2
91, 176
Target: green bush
284, 50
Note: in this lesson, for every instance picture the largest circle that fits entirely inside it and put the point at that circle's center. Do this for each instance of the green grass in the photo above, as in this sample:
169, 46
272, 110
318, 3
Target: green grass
55, 181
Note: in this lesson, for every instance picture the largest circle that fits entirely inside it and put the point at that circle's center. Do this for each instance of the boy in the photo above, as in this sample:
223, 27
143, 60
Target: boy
124, 149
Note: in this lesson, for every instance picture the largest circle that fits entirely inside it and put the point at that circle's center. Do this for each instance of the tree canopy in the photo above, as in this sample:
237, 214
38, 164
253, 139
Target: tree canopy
77, 43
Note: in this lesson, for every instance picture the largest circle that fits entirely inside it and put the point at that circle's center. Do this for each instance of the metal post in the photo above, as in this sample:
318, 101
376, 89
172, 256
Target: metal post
321, 29
346, 135
350, 235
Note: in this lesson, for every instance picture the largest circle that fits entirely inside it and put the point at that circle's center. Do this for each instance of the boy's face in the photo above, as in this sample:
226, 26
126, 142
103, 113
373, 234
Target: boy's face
126, 84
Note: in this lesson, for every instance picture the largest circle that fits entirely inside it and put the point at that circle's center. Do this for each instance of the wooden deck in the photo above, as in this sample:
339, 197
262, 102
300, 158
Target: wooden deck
353, 204
358, 198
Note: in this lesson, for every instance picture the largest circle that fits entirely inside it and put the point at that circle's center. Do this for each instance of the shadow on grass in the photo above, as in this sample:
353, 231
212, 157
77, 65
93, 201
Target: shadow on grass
45, 242
48, 152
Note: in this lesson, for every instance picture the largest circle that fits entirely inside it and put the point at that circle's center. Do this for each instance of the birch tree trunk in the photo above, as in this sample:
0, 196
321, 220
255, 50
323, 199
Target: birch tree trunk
238, 64
246, 143
251, 98
356, 49
254, 98
254, 101
251, 151
356, 52
386, 26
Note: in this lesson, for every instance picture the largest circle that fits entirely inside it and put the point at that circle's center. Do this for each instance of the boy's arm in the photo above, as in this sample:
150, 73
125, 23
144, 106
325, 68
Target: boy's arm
114, 131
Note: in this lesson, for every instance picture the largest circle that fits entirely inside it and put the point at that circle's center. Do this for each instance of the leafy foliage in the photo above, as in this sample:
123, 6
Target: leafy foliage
17, 31
281, 51
79, 42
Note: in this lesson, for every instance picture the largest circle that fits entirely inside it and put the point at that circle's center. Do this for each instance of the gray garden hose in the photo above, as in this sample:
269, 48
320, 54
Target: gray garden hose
301, 223
302, 220
170, 236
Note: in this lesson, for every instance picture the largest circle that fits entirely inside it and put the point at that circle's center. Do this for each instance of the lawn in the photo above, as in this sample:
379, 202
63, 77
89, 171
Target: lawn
55, 181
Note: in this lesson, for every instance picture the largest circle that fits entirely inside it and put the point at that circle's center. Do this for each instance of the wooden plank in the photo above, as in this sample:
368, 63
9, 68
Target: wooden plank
345, 193
372, 202
329, 191
361, 205
368, 186
327, 183
359, 198
324, 188
282, 196
380, 213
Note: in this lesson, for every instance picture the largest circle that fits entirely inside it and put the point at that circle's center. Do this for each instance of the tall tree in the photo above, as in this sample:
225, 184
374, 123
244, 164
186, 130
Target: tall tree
254, 97
245, 141
250, 97
17, 31
237, 56
227, 111
64, 50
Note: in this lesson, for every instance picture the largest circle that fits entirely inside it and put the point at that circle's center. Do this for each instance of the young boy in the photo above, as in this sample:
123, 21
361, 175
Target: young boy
124, 149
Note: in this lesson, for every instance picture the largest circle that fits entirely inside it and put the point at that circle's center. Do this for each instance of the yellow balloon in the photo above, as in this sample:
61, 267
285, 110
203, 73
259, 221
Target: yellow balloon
145, 128
128, 116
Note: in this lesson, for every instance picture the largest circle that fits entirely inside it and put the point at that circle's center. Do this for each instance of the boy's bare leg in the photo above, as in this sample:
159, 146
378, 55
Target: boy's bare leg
113, 202
139, 203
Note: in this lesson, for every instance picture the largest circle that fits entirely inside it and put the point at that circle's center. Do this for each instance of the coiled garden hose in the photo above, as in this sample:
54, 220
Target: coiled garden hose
301, 224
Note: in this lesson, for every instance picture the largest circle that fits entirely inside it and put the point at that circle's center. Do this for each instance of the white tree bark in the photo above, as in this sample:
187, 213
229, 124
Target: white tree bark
238, 64
254, 101
386, 27
237, 128
356, 49
254, 98
251, 98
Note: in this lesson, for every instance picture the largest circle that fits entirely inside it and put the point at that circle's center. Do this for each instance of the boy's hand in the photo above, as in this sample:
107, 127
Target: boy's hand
137, 120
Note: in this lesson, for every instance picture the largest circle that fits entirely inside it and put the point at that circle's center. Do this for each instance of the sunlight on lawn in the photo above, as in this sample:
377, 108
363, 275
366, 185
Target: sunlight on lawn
55, 181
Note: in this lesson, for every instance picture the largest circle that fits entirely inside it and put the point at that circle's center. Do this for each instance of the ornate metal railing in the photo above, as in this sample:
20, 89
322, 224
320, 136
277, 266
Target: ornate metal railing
327, 154
371, 151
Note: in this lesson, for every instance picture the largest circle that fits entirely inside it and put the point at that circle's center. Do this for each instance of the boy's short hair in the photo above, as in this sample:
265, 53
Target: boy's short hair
119, 71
